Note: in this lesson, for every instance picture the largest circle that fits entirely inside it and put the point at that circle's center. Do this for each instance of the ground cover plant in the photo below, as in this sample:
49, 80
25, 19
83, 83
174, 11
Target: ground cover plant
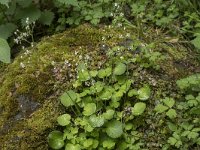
128, 80
105, 109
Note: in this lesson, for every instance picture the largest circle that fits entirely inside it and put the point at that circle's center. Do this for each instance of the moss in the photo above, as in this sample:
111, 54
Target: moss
31, 78
38, 76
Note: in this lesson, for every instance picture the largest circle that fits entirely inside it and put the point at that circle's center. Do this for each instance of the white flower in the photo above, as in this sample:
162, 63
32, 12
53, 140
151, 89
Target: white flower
22, 65
119, 24
121, 14
16, 41
27, 20
76, 52
66, 62
80, 57
128, 34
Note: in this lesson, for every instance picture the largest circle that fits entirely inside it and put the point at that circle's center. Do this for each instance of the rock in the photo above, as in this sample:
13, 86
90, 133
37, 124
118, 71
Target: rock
31, 85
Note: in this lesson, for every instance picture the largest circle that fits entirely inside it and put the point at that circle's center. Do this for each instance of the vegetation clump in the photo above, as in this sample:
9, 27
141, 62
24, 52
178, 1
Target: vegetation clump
113, 94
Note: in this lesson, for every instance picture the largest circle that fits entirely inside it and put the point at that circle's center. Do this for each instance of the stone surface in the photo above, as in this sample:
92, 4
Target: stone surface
32, 83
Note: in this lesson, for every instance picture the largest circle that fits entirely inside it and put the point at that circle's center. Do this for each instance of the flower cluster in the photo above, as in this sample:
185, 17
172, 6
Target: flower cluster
62, 71
26, 35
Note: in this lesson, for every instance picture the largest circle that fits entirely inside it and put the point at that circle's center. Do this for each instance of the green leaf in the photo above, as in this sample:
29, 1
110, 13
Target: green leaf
172, 141
83, 75
171, 113
89, 109
128, 126
11, 10
87, 143
93, 73
169, 102
108, 144
120, 69
55, 140
196, 42
64, 119
106, 94
172, 126
6, 30
132, 92
96, 121
24, 3
5, 2
144, 93
97, 87
126, 86
114, 129
109, 114
70, 146
95, 144
193, 135
4, 51
69, 2
46, 17
138, 108
68, 98
102, 73
31, 12
160, 108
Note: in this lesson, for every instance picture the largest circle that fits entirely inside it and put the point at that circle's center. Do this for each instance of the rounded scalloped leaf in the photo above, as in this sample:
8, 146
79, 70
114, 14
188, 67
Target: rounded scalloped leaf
64, 119
68, 98
55, 140
109, 114
70, 146
89, 109
83, 75
97, 87
144, 93
109, 144
105, 72
106, 94
120, 69
114, 129
96, 121
132, 92
93, 73
138, 108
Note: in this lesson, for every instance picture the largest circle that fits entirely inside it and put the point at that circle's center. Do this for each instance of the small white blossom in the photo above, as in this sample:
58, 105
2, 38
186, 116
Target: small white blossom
22, 65
80, 57
121, 14
76, 52
66, 62
27, 20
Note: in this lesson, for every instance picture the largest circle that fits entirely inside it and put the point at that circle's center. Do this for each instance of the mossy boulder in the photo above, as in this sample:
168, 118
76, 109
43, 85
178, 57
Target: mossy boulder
31, 85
